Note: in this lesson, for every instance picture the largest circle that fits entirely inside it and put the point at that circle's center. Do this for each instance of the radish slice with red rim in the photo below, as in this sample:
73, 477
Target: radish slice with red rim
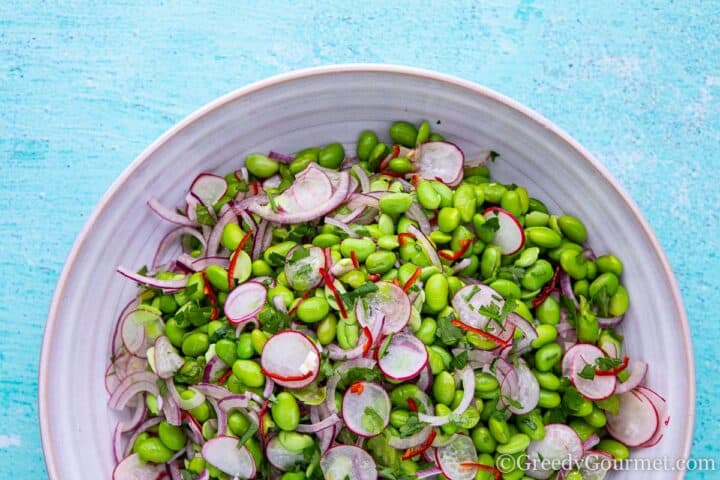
662, 408
522, 388
291, 359
245, 301
280, 457
388, 302
405, 357
581, 355
595, 465
132, 468
302, 267
452, 456
209, 188
560, 446
637, 419
167, 360
347, 461
366, 409
470, 298
637, 371
441, 161
510, 236
223, 453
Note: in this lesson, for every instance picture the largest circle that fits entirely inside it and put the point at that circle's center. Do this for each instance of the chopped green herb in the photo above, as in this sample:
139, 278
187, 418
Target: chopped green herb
276, 259
252, 430
203, 215
273, 320
511, 402
460, 360
357, 374
299, 253
364, 289
587, 372
448, 333
608, 363
384, 347
412, 426
372, 421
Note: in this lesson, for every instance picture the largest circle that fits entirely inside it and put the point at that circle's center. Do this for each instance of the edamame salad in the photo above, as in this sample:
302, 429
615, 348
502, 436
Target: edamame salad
392, 312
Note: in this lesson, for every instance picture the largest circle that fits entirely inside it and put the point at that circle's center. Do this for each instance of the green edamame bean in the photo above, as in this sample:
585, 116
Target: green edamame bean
261, 268
190, 372
547, 356
572, 228
153, 450
261, 166
493, 192
232, 236
596, 418
444, 387
283, 292
404, 223
400, 394
423, 133
448, 428
524, 199
399, 417
506, 288
461, 234
140, 439
281, 249
554, 254
213, 326
302, 160
295, 442
218, 277
588, 328
537, 275
331, 156
582, 428
436, 292
326, 329
367, 140
286, 412
609, 264
448, 219
606, 280
151, 402
249, 373
238, 423
347, 335
548, 312
427, 196
354, 278
325, 240
614, 448
400, 165
464, 201
535, 205
388, 242
490, 261
549, 399
499, 429
546, 334
510, 201
395, 203
386, 224
482, 439
362, 247
531, 424
440, 238
547, 380
485, 383
574, 264
174, 332
436, 362
426, 332
313, 309
619, 303
244, 348
580, 288
376, 156
195, 344
406, 271
543, 237
171, 436
445, 192
226, 350
536, 219
455, 283
380, 261
591, 270
403, 133
196, 465
517, 443
527, 257
295, 476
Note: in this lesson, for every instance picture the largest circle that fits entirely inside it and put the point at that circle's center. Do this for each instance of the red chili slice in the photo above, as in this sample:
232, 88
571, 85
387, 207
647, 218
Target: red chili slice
287, 378
415, 181
261, 416
211, 295
452, 256
547, 290
233, 259
403, 238
302, 299
373, 277
368, 342
482, 333
357, 388
354, 258
396, 151
414, 452
336, 294
187, 416
485, 468
411, 281
613, 371
224, 377
162, 475
412, 405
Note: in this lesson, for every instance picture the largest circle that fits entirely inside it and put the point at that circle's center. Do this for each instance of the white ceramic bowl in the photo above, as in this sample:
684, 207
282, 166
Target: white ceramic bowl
310, 107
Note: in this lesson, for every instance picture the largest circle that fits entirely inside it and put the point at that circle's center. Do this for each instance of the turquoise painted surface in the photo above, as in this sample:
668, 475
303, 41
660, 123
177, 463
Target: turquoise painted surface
85, 86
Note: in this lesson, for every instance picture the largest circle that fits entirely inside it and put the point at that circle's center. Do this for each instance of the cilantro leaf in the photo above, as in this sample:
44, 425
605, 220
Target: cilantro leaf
587, 372
252, 430
203, 215
412, 426
511, 272
299, 253
275, 259
448, 333
353, 375
273, 320
364, 289
459, 361
608, 363
372, 421
511, 402
192, 314
188, 475
601, 301
573, 400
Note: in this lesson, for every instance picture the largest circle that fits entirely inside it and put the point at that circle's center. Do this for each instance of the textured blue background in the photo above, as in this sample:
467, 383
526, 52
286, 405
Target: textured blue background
85, 86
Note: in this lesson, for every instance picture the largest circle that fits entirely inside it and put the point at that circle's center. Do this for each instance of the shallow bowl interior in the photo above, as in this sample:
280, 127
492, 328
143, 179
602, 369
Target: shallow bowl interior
314, 107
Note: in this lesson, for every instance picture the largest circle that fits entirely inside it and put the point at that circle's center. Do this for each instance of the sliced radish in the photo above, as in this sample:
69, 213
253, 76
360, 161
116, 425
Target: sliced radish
366, 409
636, 422
346, 461
167, 360
388, 302
452, 456
280, 457
304, 273
441, 161
223, 453
637, 371
523, 388
561, 446
405, 357
133, 330
601, 386
291, 359
595, 465
209, 188
661, 407
245, 301
470, 298
132, 468
510, 236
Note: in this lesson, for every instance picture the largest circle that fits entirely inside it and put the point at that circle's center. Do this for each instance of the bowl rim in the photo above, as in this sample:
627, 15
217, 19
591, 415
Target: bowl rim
43, 401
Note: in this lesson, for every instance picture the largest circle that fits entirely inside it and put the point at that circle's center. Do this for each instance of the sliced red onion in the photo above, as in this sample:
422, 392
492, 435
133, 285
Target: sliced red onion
416, 213
269, 387
242, 174
528, 330
327, 422
258, 240
137, 418
241, 326
245, 302
167, 360
152, 282
468, 381
411, 441
337, 353
173, 469
225, 219
425, 379
117, 339
117, 444
608, 322
172, 412
364, 362
426, 246
462, 265
132, 468
479, 358
173, 236
221, 415
566, 287
637, 371
214, 369
428, 472
141, 429
170, 215
212, 390
342, 226
480, 159
280, 157
200, 264
588, 254
132, 385
362, 177
133, 335
195, 430
224, 454
330, 398
233, 402
271, 182
591, 442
